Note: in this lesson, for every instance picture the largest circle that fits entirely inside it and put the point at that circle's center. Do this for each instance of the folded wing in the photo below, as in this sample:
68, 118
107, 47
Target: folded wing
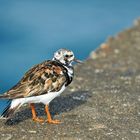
41, 79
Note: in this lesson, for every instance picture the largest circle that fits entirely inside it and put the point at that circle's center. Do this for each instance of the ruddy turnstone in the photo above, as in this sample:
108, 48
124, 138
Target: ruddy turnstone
41, 84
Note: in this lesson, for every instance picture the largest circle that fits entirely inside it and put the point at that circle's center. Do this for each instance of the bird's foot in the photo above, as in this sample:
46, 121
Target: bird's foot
40, 120
53, 121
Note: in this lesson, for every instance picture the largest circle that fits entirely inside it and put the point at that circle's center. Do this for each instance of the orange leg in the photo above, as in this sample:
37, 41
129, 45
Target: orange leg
34, 117
50, 120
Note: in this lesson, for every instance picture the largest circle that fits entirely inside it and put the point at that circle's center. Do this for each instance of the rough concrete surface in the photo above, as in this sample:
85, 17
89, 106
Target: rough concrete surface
102, 103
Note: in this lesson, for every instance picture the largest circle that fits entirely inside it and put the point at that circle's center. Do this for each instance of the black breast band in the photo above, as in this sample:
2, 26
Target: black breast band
65, 71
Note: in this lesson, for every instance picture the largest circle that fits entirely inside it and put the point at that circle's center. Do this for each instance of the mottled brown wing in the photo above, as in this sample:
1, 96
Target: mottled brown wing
42, 78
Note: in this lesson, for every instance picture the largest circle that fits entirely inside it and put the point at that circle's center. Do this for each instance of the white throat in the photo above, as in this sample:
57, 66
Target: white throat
70, 70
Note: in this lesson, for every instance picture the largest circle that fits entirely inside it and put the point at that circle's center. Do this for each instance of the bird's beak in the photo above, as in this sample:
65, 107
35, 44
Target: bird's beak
78, 61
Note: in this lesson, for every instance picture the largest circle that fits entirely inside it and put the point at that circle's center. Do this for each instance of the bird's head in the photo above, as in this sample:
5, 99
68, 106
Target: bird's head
65, 57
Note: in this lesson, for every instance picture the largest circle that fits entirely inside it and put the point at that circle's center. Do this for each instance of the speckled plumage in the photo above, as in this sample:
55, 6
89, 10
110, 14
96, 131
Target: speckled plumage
41, 84
43, 78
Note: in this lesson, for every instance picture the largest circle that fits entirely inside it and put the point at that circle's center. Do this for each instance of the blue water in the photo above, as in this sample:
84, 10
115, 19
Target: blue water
31, 30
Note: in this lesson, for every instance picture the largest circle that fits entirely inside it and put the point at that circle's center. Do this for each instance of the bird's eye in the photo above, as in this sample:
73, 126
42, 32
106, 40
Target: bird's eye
66, 55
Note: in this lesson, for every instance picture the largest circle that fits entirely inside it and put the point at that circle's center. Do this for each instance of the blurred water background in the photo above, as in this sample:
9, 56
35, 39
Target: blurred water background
31, 30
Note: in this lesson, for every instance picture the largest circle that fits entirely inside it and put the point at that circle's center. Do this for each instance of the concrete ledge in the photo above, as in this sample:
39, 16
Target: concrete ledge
103, 102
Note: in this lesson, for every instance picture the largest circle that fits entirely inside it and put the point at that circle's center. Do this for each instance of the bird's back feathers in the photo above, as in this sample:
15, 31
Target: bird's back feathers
45, 77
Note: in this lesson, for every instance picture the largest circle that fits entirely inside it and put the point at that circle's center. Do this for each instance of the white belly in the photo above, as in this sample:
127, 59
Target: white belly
45, 98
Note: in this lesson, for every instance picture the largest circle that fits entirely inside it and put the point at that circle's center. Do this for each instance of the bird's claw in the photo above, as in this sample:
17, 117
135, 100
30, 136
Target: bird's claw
54, 121
40, 120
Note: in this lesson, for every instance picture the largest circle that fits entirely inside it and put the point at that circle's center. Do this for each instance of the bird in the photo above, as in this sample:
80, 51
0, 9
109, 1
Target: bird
41, 84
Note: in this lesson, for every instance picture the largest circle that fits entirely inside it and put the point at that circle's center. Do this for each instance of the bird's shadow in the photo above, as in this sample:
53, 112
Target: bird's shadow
57, 106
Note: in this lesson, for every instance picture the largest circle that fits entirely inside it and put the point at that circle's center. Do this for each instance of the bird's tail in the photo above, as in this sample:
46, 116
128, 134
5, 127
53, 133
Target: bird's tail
4, 96
8, 111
